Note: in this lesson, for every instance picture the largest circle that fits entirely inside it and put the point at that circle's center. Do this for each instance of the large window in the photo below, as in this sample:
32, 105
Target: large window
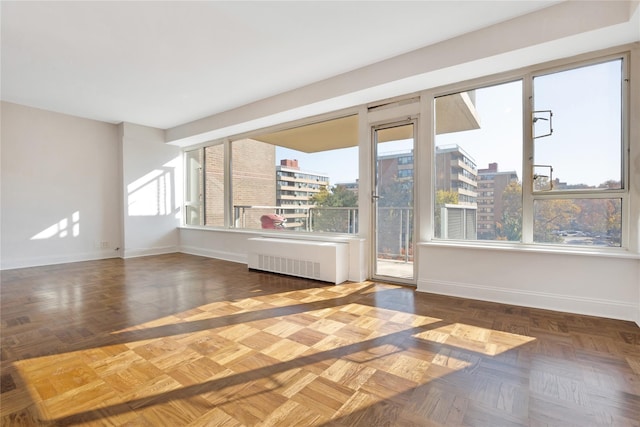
253, 182
572, 183
302, 179
478, 164
537, 158
578, 160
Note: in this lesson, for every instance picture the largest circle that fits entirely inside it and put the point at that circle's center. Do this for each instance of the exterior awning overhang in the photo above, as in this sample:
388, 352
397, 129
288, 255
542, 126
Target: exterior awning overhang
454, 113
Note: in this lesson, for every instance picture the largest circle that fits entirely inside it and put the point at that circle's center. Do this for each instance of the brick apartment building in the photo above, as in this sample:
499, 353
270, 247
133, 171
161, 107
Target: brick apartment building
294, 189
253, 182
491, 185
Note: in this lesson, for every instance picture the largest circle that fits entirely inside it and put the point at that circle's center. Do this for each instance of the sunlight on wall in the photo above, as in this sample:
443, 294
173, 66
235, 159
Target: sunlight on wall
151, 194
155, 193
62, 228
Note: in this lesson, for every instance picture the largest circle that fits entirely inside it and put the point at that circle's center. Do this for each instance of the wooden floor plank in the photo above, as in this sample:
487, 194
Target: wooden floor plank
185, 340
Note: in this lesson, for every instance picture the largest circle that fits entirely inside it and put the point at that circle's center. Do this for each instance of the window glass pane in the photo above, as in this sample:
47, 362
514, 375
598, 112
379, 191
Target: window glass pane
214, 185
394, 187
578, 128
478, 164
193, 214
300, 179
253, 182
594, 222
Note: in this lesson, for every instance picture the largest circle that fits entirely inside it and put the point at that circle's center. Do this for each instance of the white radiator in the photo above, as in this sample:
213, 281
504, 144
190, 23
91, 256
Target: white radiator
326, 261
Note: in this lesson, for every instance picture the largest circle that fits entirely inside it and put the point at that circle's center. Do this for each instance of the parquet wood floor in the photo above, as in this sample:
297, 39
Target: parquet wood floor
180, 340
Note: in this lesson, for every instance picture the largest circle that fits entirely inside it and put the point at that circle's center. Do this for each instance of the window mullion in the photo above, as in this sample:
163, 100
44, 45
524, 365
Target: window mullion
228, 194
527, 160
202, 201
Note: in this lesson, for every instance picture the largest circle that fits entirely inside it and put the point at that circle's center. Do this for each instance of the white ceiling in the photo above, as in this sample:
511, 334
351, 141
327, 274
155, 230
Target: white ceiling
166, 63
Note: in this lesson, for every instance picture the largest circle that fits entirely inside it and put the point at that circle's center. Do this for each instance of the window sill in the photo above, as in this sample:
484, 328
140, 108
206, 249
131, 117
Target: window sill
218, 229
542, 249
283, 234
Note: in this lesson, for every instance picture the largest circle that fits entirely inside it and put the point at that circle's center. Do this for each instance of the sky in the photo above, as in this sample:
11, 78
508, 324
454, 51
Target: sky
499, 139
586, 104
583, 149
341, 165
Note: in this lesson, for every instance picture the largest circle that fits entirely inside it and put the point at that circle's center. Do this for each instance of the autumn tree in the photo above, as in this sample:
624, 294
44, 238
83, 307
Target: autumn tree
614, 221
600, 217
510, 225
551, 217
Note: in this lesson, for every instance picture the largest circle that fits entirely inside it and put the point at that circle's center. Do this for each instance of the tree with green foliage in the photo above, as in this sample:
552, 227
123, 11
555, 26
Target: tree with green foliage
324, 218
443, 197
336, 196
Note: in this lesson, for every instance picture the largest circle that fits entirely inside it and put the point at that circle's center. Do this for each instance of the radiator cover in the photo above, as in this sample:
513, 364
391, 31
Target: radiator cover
312, 259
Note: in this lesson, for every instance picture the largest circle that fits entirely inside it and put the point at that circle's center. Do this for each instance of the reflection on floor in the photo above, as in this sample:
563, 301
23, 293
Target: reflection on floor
177, 340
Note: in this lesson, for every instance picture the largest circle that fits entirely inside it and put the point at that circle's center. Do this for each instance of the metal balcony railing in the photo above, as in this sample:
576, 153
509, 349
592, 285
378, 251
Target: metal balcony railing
302, 218
394, 229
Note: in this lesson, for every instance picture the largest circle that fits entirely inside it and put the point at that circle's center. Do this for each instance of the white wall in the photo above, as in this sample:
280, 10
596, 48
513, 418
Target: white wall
220, 244
151, 191
75, 189
578, 283
60, 199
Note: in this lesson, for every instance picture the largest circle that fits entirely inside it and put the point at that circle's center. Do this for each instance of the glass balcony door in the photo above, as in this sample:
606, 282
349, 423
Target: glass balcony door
393, 202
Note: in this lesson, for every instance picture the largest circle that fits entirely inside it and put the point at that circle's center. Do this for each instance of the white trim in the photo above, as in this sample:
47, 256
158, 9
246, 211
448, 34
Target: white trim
541, 300
39, 261
212, 253
139, 252
535, 248
278, 234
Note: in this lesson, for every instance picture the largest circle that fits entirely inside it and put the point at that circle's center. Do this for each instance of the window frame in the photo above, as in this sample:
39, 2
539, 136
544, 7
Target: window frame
228, 175
201, 149
467, 86
423, 163
597, 193
191, 175
529, 196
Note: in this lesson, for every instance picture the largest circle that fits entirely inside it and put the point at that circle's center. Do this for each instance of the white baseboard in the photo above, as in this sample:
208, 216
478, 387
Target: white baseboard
134, 253
211, 253
566, 303
11, 264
